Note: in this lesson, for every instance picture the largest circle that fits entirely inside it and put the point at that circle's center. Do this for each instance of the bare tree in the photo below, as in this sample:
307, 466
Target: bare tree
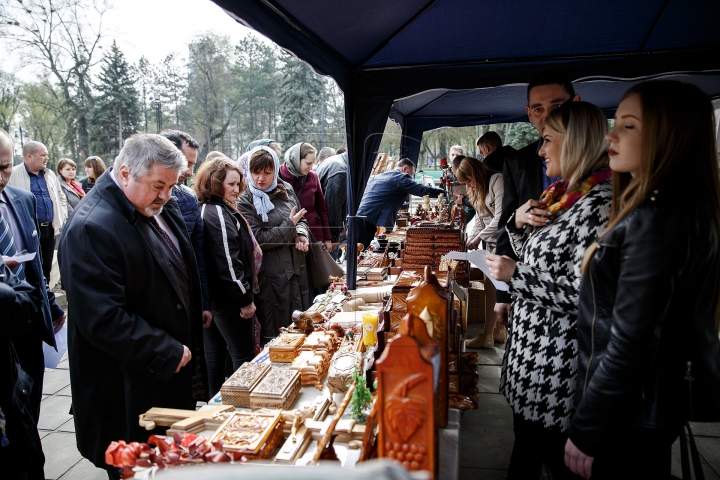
64, 36
9, 99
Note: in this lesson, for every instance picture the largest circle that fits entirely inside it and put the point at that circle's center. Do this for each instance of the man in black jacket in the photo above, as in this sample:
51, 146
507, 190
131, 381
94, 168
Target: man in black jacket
333, 181
490, 146
524, 170
135, 339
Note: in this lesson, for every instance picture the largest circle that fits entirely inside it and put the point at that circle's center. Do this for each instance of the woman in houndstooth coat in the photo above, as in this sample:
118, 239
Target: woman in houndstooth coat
550, 237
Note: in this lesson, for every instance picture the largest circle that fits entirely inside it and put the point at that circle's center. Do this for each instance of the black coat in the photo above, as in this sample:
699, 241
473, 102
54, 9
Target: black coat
333, 180
523, 180
646, 309
496, 160
228, 242
23, 457
130, 318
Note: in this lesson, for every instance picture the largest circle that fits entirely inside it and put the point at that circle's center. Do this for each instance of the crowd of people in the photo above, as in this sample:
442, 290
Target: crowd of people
606, 238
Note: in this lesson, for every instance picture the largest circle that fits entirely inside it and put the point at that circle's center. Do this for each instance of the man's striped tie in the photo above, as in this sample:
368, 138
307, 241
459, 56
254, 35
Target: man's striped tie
7, 246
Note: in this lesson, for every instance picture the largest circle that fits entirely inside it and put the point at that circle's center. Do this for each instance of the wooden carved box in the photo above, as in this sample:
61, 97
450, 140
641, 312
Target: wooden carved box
326, 341
277, 390
236, 389
286, 347
255, 435
312, 366
405, 406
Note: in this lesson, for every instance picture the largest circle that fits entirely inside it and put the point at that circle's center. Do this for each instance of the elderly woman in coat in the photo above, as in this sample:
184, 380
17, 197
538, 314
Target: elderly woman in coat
273, 212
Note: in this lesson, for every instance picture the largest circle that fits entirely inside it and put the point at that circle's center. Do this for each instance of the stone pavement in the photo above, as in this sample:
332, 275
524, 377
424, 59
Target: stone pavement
486, 435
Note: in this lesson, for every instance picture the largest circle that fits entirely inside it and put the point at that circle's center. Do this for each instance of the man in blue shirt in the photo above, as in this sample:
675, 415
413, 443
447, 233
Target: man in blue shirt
32, 176
384, 195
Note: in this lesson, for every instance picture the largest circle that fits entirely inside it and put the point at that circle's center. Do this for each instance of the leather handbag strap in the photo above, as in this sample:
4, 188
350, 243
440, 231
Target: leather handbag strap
686, 439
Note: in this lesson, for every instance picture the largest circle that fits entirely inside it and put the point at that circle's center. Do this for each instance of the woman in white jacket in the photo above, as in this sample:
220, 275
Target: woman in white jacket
485, 192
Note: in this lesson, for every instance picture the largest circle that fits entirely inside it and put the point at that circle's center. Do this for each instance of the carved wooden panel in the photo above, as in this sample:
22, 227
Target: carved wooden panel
406, 417
430, 302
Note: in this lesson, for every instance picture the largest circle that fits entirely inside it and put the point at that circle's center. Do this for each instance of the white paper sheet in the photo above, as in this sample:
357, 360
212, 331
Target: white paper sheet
52, 358
21, 257
477, 258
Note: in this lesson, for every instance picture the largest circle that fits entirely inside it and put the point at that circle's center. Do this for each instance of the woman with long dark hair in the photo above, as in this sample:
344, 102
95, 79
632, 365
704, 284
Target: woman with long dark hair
485, 192
649, 355
94, 167
550, 236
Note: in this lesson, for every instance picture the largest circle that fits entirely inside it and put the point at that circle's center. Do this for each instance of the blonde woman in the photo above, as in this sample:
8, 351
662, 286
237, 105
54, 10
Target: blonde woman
550, 236
485, 192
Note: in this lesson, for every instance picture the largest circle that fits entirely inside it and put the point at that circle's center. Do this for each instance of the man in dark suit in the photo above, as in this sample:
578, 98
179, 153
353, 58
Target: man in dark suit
135, 337
21, 454
524, 170
19, 230
384, 195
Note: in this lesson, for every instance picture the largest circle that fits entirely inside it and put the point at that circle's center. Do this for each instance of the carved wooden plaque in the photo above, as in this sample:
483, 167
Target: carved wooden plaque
432, 299
405, 406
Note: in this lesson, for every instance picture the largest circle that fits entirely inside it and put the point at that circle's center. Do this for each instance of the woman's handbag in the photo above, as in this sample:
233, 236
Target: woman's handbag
321, 265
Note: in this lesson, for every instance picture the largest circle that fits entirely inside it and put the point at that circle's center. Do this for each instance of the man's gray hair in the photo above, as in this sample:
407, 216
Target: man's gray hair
143, 150
325, 152
458, 148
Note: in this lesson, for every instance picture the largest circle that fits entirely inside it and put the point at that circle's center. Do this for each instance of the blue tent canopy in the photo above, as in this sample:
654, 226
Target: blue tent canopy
506, 103
380, 51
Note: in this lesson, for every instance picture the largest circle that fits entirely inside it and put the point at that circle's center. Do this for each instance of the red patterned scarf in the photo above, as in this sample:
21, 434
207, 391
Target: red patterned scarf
559, 200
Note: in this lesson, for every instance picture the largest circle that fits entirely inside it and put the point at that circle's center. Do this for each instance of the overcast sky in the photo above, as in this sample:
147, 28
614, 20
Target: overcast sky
156, 28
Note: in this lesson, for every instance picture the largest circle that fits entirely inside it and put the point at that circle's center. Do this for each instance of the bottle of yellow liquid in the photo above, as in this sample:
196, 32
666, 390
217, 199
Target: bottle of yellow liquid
370, 325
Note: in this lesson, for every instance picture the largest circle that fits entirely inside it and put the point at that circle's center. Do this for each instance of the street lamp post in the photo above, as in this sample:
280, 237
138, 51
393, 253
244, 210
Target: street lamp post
19, 132
322, 117
157, 105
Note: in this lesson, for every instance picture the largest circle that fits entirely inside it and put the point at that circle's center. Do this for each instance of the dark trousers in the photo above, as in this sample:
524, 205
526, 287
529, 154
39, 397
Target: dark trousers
238, 332
47, 248
365, 234
636, 453
30, 353
535, 445
215, 352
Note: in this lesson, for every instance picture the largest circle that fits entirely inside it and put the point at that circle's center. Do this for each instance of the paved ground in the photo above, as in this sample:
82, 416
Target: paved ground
485, 437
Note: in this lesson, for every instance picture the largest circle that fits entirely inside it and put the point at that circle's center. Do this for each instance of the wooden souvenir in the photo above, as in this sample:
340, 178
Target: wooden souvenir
377, 274
325, 340
294, 446
182, 420
342, 366
286, 347
312, 366
277, 390
236, 389
405, 405
369, 446
323, 442
430, 302
255, 435
404, 283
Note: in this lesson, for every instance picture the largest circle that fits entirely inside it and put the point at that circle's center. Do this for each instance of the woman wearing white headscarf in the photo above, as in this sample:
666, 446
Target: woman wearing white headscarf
273, 212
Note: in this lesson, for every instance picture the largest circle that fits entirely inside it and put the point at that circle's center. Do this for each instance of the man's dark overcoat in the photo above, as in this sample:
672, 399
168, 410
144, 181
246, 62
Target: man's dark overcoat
130, 318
